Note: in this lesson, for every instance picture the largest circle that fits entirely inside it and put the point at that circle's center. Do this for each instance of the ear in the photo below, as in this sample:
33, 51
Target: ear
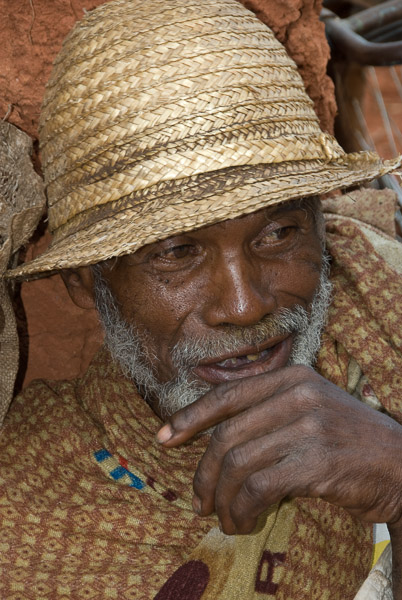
80, 286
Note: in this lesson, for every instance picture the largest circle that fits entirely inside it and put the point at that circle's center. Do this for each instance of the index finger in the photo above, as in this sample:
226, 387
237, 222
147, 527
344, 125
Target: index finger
225, 401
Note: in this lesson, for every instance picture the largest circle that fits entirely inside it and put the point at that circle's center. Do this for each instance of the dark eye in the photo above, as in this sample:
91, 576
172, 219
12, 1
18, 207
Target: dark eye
276, 235
178, 252
283, 232
174, 257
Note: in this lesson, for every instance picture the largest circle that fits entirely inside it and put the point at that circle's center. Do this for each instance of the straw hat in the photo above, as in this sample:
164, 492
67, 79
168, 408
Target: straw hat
162, 117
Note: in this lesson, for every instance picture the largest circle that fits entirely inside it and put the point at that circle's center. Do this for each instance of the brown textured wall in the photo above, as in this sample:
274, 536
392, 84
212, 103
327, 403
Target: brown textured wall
296, 25
62, 338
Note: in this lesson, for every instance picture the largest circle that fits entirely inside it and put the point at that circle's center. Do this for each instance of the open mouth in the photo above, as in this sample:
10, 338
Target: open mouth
237, 362
252, 362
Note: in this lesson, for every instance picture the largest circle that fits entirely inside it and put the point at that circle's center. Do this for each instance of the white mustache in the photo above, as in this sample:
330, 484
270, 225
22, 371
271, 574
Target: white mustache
190, 352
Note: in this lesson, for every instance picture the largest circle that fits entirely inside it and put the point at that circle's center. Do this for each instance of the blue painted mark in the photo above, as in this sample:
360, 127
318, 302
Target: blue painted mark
120, 471
136, 481
101, 455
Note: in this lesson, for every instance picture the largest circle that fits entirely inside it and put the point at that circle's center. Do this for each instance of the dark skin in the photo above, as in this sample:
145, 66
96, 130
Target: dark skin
281, 431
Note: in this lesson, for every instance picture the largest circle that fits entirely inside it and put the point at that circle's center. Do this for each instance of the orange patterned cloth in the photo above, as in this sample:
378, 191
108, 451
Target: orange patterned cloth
365, 316
92, 507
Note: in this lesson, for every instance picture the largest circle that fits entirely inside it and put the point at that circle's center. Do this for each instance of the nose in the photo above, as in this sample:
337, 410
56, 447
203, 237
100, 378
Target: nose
239, 293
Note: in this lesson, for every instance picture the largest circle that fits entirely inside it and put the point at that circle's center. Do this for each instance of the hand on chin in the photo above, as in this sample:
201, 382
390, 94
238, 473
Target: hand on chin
287, 433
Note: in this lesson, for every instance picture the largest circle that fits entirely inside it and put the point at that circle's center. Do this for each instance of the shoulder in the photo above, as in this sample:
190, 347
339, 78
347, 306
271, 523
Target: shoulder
364, 214
37, 398
40, 409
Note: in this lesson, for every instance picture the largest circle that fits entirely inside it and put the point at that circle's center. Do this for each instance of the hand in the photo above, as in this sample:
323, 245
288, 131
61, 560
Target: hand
290, 433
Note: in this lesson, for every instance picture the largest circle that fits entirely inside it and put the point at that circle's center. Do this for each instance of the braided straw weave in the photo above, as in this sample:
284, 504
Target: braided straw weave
162, 117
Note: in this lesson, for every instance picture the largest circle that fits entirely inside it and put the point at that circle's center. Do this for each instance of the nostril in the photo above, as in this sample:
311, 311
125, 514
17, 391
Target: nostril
239, 307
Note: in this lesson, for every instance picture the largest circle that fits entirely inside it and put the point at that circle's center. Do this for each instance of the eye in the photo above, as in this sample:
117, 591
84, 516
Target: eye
170, 256
178, 252
276, 235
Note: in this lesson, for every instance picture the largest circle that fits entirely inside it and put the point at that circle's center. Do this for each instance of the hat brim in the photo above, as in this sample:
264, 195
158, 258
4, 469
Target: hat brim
124, 226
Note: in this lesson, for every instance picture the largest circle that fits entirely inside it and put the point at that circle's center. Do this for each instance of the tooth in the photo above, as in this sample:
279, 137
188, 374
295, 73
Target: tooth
252, 356
233, 361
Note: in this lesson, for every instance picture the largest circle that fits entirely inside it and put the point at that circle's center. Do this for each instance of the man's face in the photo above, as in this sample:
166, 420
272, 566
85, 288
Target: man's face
215, 288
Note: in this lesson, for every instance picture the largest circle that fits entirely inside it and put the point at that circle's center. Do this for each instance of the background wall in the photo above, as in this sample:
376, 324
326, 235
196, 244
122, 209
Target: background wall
60, 339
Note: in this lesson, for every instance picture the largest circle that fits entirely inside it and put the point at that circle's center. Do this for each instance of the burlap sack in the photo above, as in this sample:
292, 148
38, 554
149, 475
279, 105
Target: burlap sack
22, 203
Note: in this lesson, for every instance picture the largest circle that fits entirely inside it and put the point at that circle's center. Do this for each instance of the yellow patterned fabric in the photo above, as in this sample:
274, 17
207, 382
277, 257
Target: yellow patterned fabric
92, 507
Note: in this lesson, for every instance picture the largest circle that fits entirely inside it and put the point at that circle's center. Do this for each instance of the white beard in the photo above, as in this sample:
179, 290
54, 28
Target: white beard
129, 348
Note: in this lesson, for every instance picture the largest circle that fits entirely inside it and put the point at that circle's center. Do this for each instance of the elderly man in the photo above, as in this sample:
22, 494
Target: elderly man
184, 165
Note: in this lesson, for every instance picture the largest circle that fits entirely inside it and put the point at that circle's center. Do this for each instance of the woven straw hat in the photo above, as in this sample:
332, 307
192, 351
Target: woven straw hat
162, 117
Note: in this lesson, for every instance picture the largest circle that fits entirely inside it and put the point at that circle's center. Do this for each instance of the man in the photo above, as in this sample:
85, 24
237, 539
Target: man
183, 164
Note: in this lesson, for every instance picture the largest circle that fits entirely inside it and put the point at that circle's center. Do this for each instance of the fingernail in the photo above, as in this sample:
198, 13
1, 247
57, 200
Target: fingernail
164, 434
196, 505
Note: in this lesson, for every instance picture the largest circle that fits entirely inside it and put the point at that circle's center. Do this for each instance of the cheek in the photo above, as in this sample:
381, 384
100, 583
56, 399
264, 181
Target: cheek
295, 279
303, 281
172, 318
152, 310
157, 308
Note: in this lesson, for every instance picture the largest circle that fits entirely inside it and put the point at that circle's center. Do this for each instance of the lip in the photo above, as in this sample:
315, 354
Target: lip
279, 350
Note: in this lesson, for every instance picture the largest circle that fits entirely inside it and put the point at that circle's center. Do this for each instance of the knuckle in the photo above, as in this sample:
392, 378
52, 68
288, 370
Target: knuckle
223, 395
307, 391
230, 390
220, 434
255, 487
312, 425
217, 447
226, 431
235, 459
185, 418
215, 396
199, 411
